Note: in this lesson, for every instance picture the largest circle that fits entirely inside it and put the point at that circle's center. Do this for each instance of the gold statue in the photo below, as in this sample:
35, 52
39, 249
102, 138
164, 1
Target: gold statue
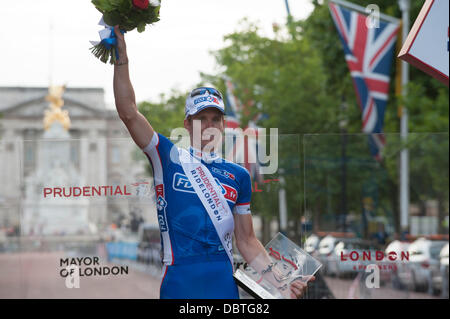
55, 113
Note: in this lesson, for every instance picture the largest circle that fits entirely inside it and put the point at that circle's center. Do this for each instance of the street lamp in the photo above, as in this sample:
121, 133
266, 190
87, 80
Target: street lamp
405, 6
343, 126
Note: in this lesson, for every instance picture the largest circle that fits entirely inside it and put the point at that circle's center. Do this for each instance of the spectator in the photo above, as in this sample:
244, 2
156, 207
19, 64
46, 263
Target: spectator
380, 236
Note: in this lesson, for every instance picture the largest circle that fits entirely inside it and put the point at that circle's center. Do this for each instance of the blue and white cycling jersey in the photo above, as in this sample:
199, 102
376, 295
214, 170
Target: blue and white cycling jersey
188, 235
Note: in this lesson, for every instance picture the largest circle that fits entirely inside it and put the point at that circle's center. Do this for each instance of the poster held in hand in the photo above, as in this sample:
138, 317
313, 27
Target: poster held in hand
270, 275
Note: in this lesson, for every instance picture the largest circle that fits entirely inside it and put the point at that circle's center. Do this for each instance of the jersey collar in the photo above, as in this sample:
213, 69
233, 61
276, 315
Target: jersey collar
205, 156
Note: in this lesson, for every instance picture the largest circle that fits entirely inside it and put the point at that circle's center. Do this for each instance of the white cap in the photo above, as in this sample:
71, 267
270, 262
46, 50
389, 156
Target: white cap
197, 103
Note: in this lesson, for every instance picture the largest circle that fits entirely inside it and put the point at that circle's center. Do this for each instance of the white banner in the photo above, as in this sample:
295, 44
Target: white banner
212, 199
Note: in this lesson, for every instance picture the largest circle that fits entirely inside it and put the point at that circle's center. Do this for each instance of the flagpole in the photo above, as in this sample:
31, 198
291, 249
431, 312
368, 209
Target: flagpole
289, 19
343, 126
404, 155
282, 204
287, 8
282, 201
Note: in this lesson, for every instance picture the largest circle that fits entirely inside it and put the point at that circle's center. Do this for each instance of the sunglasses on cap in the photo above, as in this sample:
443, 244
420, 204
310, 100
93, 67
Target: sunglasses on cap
203, 90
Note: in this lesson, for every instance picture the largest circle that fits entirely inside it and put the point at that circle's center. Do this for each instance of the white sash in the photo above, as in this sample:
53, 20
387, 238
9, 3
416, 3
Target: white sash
211, 196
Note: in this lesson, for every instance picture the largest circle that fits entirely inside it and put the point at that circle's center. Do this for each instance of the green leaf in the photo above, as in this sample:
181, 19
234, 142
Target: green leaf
112, 18
141, 27
103, 5
125, 6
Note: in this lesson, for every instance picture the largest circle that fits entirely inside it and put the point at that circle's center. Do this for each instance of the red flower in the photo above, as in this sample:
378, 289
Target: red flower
140, 4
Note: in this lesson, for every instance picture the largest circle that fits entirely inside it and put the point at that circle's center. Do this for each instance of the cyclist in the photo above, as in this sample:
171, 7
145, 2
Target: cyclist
201, 199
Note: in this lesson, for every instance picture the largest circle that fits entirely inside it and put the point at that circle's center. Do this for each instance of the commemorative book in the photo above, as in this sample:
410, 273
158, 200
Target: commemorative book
270, 274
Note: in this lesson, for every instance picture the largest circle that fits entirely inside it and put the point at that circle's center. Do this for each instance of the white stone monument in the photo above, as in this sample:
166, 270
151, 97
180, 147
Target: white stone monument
55, 215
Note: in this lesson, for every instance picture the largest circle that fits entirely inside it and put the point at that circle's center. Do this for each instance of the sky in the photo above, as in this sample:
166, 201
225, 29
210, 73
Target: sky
47, 42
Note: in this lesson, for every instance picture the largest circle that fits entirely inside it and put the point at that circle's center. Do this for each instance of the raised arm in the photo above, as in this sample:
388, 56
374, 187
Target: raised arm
138, 126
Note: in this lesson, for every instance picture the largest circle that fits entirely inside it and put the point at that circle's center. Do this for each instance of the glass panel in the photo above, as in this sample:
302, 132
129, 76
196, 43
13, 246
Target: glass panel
67, 205
78, 217
93, 199
352, 202
276, 188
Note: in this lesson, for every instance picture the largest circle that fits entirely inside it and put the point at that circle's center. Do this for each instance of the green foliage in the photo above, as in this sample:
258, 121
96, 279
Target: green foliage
320, 31
427, 104
286, 78
167, 114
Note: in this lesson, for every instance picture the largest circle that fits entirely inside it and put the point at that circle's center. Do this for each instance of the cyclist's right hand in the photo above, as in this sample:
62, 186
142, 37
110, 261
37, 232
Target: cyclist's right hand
121, 46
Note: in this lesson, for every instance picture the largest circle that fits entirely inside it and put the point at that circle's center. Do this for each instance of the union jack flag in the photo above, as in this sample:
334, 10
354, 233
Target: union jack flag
369, 54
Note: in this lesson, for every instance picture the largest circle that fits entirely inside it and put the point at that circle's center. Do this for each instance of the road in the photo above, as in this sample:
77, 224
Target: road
37, 275
351, 289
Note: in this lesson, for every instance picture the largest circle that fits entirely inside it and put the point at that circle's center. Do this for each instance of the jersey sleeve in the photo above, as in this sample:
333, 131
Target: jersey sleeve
158, 152
242, 206
159, 148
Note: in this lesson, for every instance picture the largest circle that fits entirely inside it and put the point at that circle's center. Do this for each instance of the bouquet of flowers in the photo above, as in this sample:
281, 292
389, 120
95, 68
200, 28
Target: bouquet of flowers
128, 14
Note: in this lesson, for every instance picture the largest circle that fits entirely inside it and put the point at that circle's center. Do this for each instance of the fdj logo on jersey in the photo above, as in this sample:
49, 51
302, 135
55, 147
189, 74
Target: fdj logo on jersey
181, 183
206, 99
161, 205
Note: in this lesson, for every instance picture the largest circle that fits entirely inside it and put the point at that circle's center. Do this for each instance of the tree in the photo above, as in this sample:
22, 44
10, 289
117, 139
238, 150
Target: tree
427, 104
299, 81
286, 78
